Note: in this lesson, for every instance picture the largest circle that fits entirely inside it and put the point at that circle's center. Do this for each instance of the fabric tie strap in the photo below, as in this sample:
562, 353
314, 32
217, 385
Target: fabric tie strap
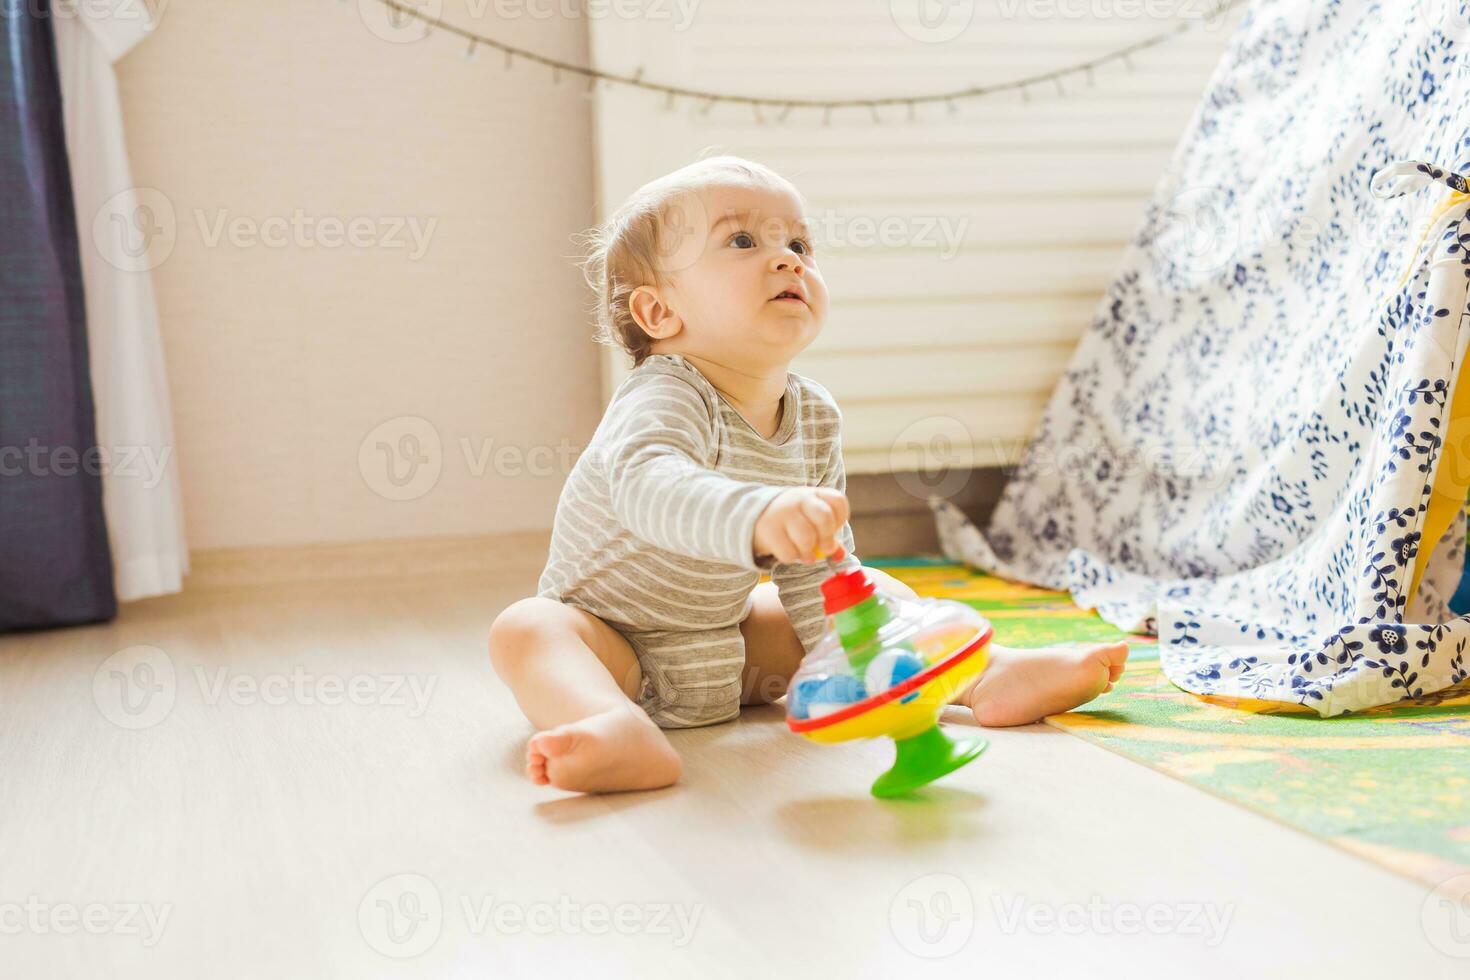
1403, 176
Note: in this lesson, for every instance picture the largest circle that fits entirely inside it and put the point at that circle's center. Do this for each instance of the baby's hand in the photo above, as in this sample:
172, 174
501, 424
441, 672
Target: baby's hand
799, 523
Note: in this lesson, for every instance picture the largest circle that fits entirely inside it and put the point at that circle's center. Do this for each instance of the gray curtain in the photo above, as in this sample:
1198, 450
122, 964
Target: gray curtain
55, 566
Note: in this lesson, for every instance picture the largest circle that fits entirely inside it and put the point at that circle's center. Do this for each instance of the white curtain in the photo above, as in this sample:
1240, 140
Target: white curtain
140, 484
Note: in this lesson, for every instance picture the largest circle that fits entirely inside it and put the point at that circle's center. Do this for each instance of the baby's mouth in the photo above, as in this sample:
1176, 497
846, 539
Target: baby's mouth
788, 294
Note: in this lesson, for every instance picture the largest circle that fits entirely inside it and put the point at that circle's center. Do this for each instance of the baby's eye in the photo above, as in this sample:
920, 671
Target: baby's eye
801, 246
742, 239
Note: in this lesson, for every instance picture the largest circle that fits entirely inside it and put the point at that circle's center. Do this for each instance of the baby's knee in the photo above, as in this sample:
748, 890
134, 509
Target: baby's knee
519, 628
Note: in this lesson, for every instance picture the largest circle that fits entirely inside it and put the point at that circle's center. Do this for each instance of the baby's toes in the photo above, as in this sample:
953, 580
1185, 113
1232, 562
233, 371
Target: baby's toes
1116, 657
553, 742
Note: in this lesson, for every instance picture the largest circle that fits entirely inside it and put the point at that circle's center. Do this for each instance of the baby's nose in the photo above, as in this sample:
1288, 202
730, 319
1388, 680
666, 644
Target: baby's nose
789, 262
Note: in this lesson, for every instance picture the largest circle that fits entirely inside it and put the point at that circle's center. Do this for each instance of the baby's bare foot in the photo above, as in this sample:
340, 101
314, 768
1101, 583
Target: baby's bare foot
1023, 686
615, 750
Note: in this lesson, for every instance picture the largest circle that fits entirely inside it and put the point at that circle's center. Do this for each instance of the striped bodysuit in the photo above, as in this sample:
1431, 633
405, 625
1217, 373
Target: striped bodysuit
653, 529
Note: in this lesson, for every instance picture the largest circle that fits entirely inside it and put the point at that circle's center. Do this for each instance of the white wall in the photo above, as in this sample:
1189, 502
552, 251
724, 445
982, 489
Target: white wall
283, 359
965, 252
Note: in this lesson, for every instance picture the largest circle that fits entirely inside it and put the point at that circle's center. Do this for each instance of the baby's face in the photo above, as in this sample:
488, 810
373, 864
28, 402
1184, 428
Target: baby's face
746, 285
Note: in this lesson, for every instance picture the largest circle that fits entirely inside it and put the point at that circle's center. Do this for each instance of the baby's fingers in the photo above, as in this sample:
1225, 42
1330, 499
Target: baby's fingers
837, 501
823, 518
804, 537
824, 525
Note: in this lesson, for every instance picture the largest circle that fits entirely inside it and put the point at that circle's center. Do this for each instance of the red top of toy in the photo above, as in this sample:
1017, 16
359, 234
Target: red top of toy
845, 589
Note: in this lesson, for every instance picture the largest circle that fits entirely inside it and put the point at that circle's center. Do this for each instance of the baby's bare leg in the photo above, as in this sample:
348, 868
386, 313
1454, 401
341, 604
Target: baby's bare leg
1024, 685
574, 677
1021, 686
772, 649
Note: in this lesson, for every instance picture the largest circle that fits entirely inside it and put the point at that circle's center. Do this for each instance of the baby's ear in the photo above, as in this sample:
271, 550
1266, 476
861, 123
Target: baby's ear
653, 314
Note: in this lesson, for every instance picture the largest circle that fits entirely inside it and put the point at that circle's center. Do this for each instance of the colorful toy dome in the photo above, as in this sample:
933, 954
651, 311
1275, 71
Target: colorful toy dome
887, 666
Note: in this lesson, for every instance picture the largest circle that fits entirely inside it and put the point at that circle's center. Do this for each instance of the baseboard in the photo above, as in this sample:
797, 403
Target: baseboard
890, 511
890, 516
365, 561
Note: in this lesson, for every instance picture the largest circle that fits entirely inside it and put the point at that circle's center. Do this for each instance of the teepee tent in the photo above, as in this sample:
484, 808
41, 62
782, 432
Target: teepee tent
1261, 447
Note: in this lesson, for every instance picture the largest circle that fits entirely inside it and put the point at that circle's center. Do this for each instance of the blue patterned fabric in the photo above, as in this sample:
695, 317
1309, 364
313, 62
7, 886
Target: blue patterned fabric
1243, 449
55, 563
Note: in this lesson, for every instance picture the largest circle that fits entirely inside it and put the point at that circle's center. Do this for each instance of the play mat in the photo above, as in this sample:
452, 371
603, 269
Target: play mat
1390, 784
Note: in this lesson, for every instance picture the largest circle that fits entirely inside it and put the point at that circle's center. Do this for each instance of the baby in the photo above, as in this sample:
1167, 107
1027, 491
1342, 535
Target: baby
713, 463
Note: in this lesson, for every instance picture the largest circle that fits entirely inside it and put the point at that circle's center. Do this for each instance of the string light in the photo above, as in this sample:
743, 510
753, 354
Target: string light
401, 11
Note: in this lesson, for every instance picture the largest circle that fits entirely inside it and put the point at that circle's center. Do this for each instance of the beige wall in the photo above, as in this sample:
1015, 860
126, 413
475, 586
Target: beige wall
283, 358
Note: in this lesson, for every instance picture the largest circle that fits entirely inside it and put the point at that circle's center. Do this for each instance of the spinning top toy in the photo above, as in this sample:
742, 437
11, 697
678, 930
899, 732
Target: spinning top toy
887, 666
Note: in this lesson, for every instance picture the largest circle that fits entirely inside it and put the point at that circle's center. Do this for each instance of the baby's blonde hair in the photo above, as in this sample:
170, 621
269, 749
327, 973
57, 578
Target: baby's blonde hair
623, 252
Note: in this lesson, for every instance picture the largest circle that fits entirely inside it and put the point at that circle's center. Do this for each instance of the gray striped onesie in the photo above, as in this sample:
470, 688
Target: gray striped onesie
653, 529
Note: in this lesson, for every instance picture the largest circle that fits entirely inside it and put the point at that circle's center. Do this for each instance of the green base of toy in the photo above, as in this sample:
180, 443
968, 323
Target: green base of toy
923, 758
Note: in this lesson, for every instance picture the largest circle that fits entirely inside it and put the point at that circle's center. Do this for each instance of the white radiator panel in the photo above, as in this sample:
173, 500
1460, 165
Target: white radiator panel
965, 251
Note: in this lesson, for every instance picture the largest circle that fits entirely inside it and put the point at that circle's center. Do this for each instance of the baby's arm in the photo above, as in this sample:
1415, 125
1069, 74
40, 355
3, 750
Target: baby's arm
659, 442
800, 584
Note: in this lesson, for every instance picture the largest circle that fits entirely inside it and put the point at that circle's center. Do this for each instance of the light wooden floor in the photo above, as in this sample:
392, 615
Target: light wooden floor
273, 834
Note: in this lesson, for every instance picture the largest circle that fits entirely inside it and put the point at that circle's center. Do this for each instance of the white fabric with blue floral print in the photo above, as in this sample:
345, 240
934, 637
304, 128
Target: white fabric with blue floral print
1242, 452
